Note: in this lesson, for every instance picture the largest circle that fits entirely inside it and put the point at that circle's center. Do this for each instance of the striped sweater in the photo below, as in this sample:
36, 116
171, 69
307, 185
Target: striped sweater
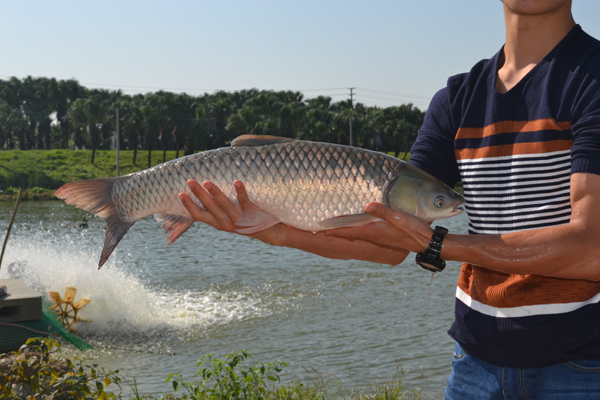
515, 153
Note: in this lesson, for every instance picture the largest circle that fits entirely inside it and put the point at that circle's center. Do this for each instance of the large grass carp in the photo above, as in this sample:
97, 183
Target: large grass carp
309, 185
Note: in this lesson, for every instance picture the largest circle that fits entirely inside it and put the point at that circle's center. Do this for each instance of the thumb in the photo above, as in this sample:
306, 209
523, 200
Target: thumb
377, 210
395, 217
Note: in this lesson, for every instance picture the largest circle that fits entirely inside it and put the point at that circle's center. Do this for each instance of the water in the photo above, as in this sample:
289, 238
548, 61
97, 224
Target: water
157, 309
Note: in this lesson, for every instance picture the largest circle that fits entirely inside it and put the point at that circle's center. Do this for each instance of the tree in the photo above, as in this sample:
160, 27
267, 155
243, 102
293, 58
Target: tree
269, 113
401, 126
131, 122
67, 92
318, 120
92, 113
11, 121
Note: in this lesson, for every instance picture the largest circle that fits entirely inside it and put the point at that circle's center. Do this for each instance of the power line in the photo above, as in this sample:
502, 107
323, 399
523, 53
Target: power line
363, 95
395, 93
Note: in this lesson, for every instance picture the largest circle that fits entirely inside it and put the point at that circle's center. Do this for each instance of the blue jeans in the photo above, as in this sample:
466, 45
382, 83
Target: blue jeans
473, 379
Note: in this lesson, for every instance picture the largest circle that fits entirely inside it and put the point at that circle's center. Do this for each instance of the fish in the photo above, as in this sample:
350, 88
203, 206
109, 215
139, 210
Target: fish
312, 186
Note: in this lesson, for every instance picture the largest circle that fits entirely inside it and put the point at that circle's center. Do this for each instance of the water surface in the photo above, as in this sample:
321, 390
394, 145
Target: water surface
156, 309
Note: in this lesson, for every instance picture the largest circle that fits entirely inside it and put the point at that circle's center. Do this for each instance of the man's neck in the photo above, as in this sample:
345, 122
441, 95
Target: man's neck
529, 38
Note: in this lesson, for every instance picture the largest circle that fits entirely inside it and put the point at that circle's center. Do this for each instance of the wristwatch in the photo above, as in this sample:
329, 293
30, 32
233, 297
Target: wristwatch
430, 260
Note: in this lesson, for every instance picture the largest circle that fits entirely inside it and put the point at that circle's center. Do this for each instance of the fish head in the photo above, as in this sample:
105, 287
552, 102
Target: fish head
420, 194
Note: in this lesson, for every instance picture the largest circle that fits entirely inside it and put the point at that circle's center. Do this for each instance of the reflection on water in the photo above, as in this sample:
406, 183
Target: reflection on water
157, 309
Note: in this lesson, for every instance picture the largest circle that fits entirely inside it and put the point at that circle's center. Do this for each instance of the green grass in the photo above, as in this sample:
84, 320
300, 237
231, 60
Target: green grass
39, 370
50, 169
41, 172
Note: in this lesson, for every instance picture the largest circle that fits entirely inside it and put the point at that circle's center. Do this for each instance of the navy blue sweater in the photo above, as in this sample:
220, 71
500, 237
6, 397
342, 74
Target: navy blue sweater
515, 153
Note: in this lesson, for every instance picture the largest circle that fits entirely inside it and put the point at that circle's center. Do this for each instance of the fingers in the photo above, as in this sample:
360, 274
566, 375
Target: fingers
197, 213
219, 211
221, 206
242, 195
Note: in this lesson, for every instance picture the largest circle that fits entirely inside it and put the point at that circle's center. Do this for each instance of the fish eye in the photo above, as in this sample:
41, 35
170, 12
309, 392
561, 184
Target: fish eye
439, 202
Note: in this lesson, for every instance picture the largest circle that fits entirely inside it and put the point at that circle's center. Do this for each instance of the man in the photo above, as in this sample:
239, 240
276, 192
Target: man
522, 132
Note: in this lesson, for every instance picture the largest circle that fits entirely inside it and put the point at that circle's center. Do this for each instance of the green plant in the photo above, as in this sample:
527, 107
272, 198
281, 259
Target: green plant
237, 377
33, 372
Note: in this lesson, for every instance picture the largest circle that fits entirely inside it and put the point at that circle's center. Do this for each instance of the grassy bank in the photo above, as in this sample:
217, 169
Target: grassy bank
40, 172
39, 370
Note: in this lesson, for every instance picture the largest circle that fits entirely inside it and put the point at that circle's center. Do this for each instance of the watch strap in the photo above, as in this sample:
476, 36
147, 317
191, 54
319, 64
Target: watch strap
430, 259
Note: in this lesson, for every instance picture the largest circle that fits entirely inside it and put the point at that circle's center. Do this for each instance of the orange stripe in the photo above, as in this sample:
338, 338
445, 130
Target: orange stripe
503, 290
512, 126
513, 149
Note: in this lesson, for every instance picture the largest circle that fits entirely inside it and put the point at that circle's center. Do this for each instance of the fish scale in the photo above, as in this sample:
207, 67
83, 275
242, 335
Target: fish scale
308, 185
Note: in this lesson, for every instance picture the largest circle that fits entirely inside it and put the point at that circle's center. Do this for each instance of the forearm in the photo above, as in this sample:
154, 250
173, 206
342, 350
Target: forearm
564, 251
338, 248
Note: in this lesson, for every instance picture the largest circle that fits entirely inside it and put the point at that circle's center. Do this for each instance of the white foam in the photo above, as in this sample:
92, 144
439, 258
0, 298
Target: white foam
120, 300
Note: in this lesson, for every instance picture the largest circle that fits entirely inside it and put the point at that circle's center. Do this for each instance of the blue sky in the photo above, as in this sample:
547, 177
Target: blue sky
392, 52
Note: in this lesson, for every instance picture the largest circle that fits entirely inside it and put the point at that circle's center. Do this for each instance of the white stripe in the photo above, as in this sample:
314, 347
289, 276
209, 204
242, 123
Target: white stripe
489, 229
503, 228
503, 159
513, 188
523, 311
516, 180
506, 199
476, 211
533, 169
468, 165
540, 217
475, 206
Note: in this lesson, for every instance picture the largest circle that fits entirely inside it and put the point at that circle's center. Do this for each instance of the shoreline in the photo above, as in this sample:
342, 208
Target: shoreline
29, 195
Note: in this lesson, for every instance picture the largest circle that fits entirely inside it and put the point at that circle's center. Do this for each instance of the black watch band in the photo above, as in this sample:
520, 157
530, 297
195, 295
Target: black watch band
430, 259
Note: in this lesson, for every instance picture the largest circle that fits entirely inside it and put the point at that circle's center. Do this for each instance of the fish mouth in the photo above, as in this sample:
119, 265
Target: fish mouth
458, 209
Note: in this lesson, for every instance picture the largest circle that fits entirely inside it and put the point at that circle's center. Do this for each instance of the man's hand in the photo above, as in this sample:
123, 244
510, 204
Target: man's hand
397, 230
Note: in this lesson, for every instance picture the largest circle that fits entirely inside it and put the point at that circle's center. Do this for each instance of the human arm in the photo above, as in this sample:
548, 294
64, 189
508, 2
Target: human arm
568, 251
220, 213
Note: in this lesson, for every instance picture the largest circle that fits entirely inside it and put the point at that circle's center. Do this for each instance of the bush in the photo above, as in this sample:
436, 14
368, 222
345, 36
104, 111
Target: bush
235, 378
33, 372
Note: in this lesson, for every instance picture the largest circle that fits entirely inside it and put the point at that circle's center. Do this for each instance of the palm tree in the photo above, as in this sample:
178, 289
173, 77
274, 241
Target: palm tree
89, 113
131, 121
67, 92
11, 121
318, 120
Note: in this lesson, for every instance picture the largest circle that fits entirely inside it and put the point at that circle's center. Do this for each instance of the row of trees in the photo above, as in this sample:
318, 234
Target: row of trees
45, 113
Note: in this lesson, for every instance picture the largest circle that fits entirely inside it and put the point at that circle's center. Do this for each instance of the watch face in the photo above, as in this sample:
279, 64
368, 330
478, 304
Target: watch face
431, 267
436, 266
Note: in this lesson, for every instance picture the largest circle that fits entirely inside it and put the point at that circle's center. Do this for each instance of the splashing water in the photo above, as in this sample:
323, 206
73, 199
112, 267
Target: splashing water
120, 300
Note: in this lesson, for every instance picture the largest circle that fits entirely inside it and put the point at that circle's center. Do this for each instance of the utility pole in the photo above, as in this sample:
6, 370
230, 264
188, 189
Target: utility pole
351, 107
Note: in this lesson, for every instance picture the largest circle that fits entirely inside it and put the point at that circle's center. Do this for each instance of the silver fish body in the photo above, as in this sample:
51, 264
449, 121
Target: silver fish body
312, 186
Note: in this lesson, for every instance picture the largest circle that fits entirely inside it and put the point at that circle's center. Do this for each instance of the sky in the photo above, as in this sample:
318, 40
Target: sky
389, 52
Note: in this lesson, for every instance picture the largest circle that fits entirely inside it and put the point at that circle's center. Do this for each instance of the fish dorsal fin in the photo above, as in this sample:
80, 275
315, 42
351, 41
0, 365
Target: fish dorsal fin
258, 140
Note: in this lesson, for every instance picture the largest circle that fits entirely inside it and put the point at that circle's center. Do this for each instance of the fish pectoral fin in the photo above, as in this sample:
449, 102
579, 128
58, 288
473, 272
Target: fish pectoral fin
258, 140
175, 224
346, 221
254, 221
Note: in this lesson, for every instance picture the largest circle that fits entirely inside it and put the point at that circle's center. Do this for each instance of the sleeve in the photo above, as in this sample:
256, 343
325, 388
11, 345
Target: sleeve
433, 151
585, 152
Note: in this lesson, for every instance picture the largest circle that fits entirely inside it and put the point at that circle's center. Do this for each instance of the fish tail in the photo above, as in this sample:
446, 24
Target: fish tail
95, 195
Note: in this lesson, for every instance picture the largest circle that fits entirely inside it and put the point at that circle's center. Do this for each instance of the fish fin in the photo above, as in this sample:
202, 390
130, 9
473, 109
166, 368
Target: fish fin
345, 221
175, 224
116, 228
95, 195
255, 221
258, 140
